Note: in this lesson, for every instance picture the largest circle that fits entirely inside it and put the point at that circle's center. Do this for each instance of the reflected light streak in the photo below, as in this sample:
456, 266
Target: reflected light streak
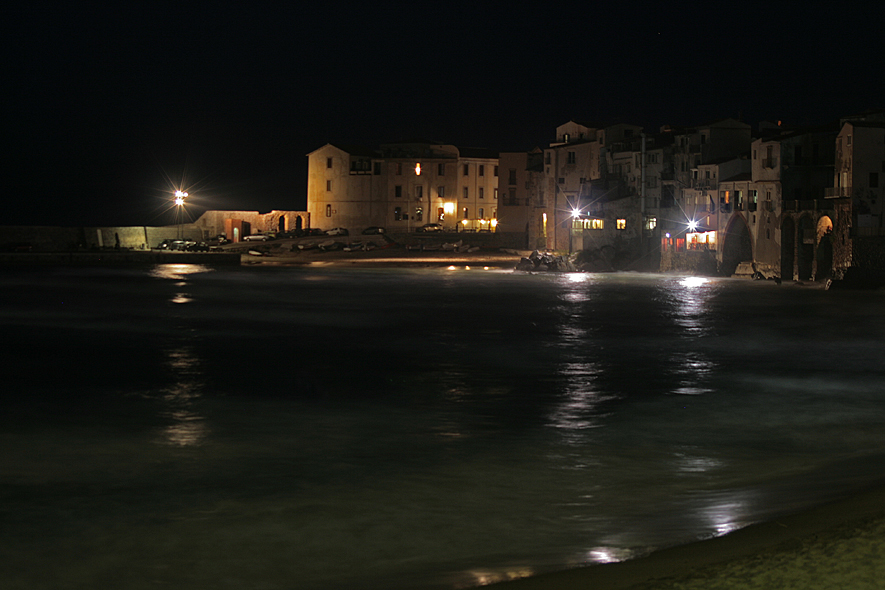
691, 282
486, 578
186, 427
608, 555
177, 271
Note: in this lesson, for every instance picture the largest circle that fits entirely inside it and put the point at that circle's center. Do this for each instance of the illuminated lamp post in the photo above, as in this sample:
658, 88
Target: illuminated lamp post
180, 196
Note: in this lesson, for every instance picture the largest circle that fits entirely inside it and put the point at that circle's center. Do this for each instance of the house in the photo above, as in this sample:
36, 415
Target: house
401, 186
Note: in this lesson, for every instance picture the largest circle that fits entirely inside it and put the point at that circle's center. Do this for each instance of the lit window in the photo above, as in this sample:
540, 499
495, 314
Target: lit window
496, 193
622, 224
651, 223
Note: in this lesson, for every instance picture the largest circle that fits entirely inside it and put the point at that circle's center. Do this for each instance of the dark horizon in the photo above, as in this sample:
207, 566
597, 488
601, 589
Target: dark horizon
109, 111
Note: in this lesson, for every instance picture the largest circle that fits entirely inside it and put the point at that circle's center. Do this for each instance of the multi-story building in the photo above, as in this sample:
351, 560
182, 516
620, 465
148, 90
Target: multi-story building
401, 186
790, 231
521, 206
701, 156
578, 179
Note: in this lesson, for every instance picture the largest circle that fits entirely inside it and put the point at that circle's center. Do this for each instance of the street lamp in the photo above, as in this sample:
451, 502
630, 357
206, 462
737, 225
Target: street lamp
180, 196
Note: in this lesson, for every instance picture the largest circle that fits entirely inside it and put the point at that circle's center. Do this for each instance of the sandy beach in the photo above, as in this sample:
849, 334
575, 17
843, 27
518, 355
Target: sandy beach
840, 545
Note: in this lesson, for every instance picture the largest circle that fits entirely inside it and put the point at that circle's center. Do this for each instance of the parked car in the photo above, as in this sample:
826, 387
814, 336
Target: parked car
256, 238
430, 227
336, 231
370, 231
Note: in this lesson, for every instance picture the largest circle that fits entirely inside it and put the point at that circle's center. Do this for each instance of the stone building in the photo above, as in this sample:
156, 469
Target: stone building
402, 186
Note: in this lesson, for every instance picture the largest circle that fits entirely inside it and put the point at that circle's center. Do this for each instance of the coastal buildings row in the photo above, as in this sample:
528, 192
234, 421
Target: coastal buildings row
795, 203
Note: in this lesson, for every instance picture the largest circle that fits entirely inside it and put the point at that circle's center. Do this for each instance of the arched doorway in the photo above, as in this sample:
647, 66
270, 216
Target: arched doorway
824, 253
806, 248
737, 247
298, 224
788, 248
282, 225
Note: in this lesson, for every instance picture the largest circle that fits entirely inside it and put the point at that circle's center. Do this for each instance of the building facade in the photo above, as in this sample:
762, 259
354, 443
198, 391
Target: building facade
402, 186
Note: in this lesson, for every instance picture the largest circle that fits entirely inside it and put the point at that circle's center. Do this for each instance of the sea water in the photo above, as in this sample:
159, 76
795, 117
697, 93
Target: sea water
192, 427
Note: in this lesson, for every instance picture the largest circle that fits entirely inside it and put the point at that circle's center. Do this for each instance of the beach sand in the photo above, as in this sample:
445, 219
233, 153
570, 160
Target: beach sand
840, 545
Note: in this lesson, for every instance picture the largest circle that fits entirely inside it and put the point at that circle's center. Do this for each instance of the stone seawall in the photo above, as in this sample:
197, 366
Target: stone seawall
113, 258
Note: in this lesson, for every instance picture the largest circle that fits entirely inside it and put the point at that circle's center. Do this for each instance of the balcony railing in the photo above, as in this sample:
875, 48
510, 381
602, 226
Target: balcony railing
837, 191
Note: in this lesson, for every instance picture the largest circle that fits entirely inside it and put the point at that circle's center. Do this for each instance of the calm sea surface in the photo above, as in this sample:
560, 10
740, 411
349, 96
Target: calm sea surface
299, 429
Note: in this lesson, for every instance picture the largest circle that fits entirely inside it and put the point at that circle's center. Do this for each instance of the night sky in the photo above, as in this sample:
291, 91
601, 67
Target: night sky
108, 109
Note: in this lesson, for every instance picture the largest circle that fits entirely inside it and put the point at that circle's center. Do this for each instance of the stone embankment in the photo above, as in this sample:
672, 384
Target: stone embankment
112, 257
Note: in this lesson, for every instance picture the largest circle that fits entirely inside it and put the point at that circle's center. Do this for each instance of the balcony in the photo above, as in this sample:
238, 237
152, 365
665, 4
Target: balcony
837, 192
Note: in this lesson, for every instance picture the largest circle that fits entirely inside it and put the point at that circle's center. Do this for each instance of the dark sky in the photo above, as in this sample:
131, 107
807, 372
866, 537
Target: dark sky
108, 109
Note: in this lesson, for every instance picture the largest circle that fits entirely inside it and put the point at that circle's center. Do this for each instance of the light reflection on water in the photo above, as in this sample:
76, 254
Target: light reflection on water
427, 429
187, 427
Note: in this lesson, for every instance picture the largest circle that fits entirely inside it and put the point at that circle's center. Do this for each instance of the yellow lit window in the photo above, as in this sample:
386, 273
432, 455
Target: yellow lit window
622, 224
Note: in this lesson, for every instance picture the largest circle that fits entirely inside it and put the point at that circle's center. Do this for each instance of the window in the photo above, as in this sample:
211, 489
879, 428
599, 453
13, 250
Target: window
376, 169
482, 213
621, 224
482, 170
547, 158
328, 210
441, 191
441, 169
571, 157
465, 192
419, 192
419, 214
481, 192
398, 191
561, 180
874, 180
328, 186
848, 140
496, 193
511, 179
496, 171
399, 168
651, 223
328, 162
466, 169
465, 213
397, 214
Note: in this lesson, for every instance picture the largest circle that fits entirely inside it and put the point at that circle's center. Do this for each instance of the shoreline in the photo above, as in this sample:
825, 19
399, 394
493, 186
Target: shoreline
839, 544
